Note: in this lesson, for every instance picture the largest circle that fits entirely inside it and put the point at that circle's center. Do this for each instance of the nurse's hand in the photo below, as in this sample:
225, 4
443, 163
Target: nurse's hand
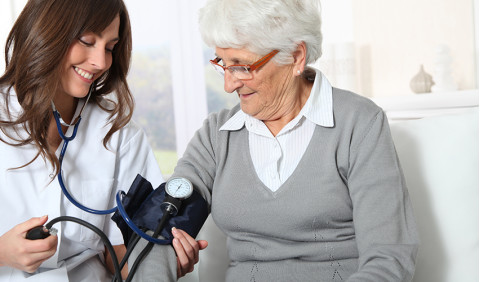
24, 254
187, 250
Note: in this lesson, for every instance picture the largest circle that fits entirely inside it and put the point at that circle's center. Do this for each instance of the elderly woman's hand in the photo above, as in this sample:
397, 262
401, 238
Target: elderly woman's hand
187, 250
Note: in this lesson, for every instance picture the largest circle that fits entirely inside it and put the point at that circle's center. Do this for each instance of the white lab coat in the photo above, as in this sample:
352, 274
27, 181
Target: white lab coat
93, 175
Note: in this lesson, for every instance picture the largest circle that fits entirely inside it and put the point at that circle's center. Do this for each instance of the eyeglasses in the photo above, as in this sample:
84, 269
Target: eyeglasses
242, 71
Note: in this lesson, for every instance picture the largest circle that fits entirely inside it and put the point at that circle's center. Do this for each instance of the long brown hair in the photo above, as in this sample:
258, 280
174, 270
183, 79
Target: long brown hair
34, 54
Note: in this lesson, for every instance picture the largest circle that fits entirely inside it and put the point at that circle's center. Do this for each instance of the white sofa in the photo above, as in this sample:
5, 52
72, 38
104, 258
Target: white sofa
439, 156
437, 144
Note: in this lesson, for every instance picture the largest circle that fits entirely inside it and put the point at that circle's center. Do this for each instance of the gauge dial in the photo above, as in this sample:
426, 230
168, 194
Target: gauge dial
179, 187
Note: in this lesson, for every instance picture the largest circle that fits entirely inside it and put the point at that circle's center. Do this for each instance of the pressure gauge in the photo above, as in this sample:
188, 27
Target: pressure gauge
179, 188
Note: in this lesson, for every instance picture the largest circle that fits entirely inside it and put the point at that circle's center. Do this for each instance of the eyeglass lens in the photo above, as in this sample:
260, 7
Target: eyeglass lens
240, 72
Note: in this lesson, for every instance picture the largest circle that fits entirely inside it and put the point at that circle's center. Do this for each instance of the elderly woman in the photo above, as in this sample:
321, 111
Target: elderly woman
302, 177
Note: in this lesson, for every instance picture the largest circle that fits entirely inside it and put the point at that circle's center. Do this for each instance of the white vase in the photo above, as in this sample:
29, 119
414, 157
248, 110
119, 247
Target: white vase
422, 82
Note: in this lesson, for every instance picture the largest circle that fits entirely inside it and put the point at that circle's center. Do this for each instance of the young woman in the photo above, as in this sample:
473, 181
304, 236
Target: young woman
68, 57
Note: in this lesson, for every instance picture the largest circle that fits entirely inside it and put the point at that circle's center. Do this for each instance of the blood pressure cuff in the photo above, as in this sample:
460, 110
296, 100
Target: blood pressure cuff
142, 204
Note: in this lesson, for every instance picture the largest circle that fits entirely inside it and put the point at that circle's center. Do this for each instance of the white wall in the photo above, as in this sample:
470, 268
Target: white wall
393, 38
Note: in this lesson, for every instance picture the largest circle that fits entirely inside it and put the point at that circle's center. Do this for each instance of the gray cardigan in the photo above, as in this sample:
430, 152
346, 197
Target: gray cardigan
344, 214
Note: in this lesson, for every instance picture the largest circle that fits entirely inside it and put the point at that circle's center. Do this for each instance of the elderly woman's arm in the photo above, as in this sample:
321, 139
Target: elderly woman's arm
385, 227
197, 165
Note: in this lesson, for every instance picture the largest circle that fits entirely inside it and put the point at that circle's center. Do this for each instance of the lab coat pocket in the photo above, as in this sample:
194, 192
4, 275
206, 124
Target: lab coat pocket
96, 194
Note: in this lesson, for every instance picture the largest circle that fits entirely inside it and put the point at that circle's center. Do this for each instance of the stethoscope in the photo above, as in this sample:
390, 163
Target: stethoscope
176, 189
120, 194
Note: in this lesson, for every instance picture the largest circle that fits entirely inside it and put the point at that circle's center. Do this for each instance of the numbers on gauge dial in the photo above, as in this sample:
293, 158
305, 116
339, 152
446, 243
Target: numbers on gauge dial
179, 187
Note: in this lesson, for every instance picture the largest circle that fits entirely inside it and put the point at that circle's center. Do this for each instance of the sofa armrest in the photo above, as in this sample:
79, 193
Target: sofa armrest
439, 157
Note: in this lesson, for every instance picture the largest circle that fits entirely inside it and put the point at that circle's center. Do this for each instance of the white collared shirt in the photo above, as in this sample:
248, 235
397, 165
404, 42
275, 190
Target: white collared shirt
276, 157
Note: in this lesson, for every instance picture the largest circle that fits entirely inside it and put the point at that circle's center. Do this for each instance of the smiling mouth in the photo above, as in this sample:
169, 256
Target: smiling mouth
245, 94
83, 73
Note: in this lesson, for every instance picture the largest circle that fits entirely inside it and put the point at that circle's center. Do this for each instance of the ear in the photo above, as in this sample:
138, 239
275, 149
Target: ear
299, 59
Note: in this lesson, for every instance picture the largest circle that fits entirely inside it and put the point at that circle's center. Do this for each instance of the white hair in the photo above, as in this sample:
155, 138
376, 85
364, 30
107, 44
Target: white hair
261, 26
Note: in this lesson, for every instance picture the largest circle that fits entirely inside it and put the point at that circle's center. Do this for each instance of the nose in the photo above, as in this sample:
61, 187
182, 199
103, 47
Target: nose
98, 58
231, 83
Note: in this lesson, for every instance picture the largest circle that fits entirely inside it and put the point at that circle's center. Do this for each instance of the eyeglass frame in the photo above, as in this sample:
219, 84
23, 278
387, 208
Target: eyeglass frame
247, 68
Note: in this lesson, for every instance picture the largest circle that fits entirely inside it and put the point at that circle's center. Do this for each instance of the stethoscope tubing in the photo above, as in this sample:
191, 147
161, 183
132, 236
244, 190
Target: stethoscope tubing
119, 207
67, 139
132, 225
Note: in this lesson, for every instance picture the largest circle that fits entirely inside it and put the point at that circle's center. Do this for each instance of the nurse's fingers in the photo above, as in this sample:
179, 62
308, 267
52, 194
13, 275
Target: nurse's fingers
46, 245
30, 259
30, 263
24, 254
187, 250
202, 244
185, 264
35, 252
24, 227
190, 246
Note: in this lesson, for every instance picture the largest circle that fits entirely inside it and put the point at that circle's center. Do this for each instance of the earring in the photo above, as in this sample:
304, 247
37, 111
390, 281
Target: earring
298, 72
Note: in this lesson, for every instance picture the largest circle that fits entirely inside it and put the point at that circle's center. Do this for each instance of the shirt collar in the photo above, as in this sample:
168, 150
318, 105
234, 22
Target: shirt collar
235, 122
318, 108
